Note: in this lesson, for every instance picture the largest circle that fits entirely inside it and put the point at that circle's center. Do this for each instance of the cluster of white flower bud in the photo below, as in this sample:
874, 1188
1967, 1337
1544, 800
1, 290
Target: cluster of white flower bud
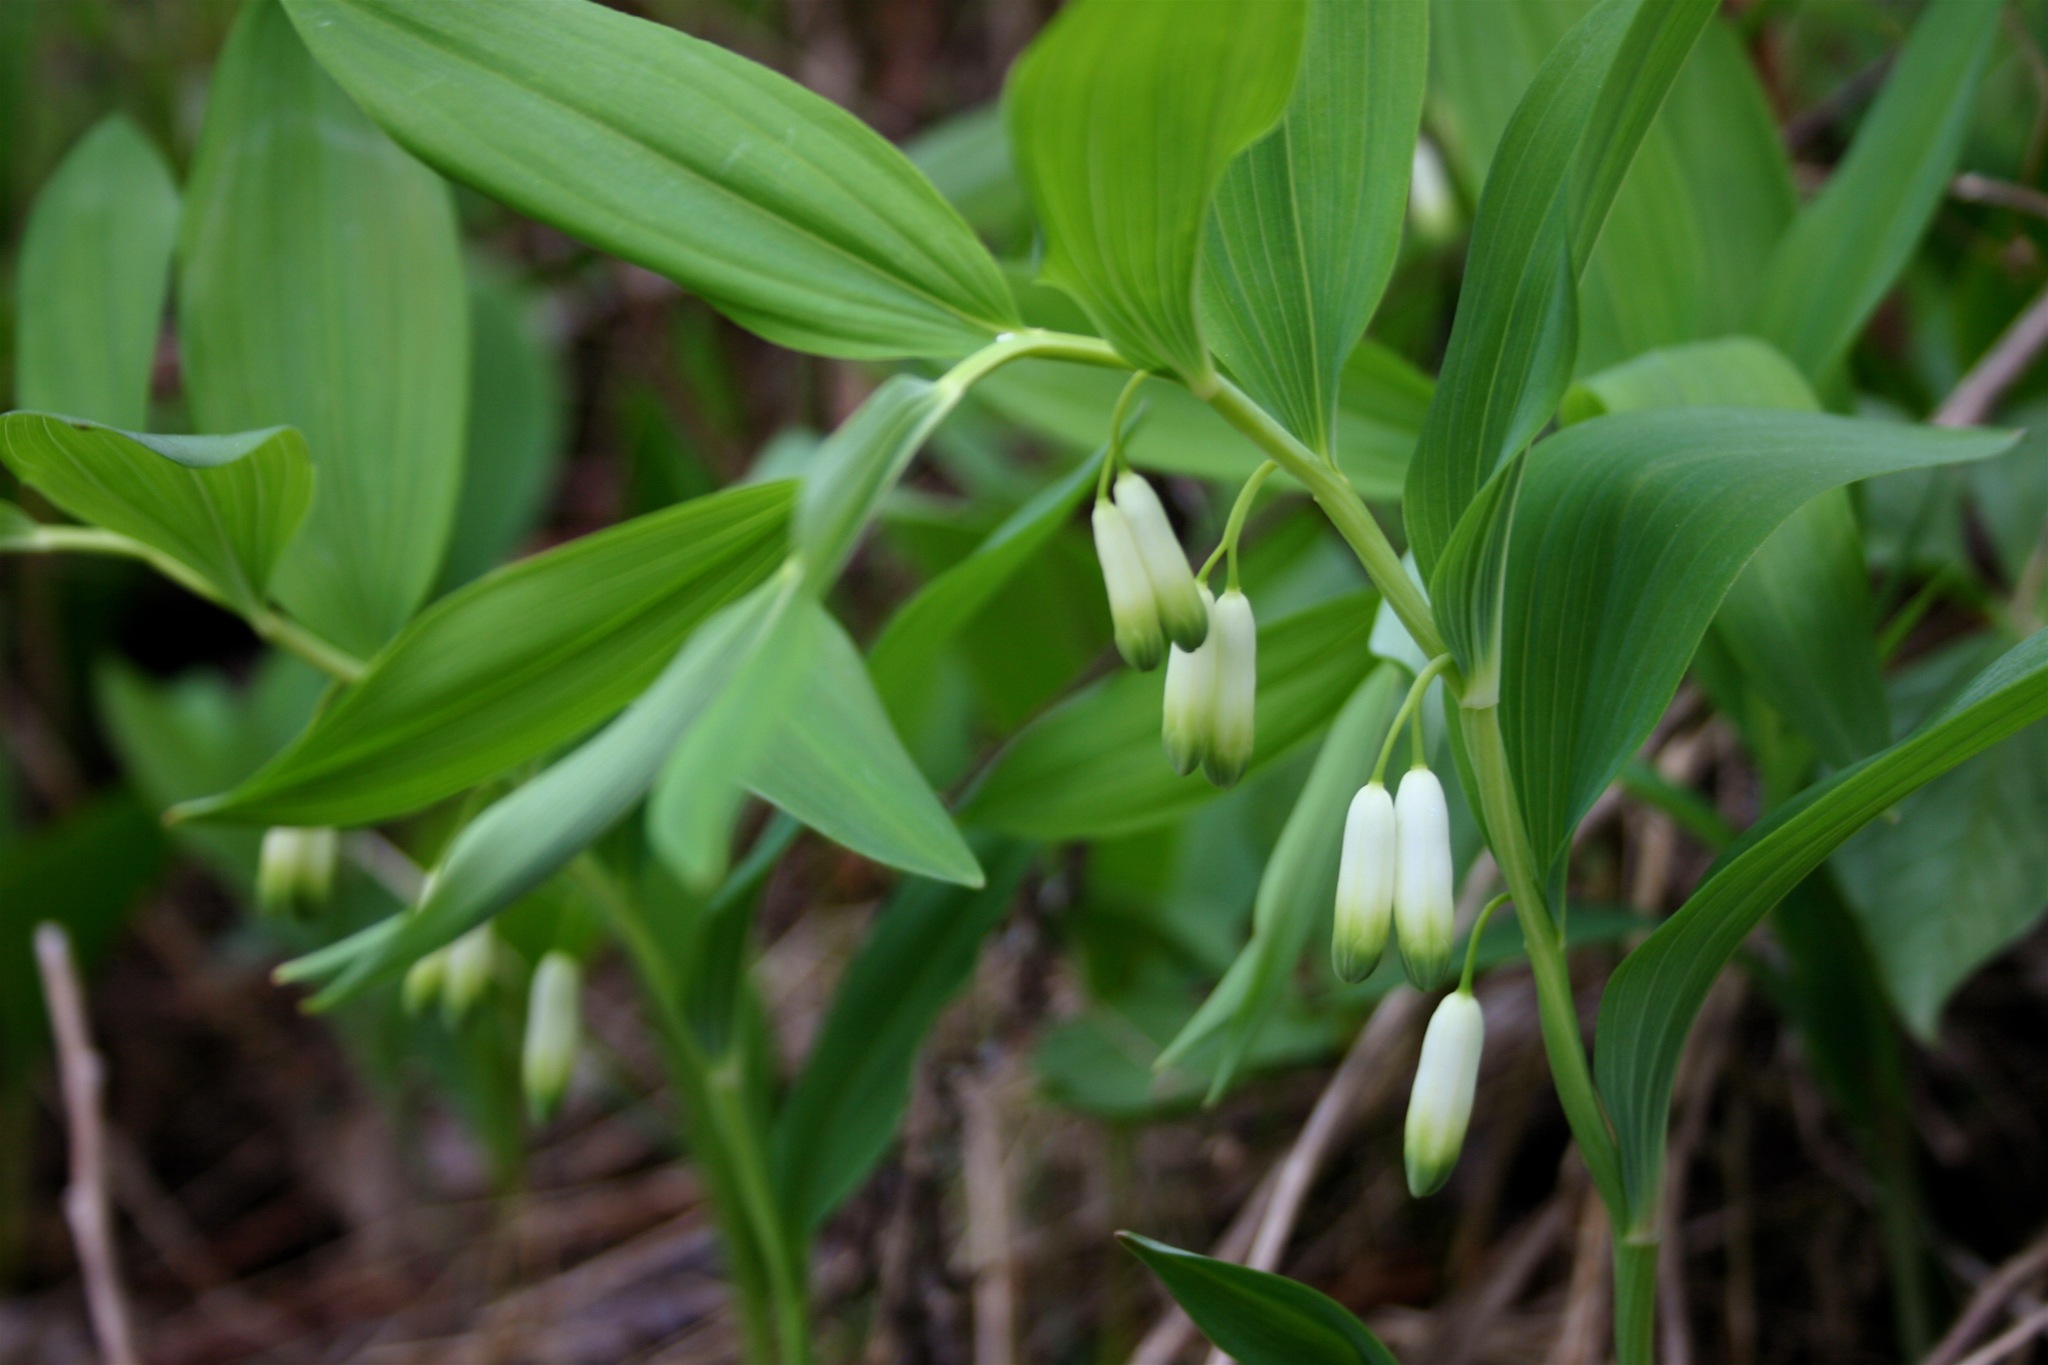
1394, 876
295, 870
457, 975
1153, 597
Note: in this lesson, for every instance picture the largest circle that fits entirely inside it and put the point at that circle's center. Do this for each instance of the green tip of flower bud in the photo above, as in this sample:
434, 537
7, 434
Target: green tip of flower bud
471, 959
1365, 885
423, 982
554, 1027
1234, 635
295, 870
1190, 701
1424, 909
1133, 606
1440, 1106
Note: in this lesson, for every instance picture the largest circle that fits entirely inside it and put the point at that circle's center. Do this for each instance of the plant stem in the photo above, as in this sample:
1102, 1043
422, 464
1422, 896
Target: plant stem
1635, 1298
1341, 503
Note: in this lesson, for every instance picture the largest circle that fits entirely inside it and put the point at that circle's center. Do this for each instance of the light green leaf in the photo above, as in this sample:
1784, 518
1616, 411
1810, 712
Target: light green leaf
1958, 874
1471, 583
95, 267
905, 658
843, 1110
321, 287
17, 528
1093, 765
1799, 620
779, 208
967, 159
1124, 115
520, 661
1307, 222
1257, 1318
836, 764
1629, 532
221, 506
514, 430
858, 465
1299, 884
1654, 995
1554, 177
748, 650
1848, 246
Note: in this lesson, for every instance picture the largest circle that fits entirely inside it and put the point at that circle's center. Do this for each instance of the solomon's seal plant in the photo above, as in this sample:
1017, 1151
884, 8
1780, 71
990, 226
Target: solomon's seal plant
1590, 502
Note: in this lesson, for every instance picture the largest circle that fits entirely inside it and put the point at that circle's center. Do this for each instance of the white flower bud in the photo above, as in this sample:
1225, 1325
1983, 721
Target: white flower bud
1235, 637
470, 960
1365, 884
1182, 611
554, 1030
296, 868
1190, 700
1423, 906
1440, 1107
423, 981
1133, 607
1431, 207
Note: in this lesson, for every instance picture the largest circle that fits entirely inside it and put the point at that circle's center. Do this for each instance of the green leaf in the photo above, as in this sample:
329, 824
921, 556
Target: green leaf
222, 506
1629, 531
1654, 995
1125, 115
515, 428
1799, 620
321, 288
858, 465
843, 1110
518, 662
967, 159
1554, 178
95, 267
1955, 876
747, 651
1299, 885
1257, 1318
910, 650
1848, 246
1307, 222
1470, 585
779, 208
17, 528
1093, 765
836, 764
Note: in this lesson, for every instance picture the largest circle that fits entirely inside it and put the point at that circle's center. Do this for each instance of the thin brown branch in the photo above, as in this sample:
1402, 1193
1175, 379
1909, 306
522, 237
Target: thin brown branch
83, 1078
1973, 188
1990, 1300
990, 1244
2008, 1342
1998, 369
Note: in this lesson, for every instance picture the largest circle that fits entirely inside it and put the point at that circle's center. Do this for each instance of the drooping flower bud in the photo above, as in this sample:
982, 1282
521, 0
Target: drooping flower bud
470, 961
1133, 606
1190, 700
1440, 1107
1424, 913
295, 870
554, 1030
423, 981
1234, 635
1432, 209
1365, 884
1182, 611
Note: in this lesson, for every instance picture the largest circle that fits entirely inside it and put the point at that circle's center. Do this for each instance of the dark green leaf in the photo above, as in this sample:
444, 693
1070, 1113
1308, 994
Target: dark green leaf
1256, 1318
781, 209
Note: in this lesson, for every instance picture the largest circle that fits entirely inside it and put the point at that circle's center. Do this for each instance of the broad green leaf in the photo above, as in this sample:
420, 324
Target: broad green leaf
1470, 585
1257, 1318
1654, 995
1799, 620
836, 764
1125, 115
911, 649
514, 432
95, 268
1300, 882
1093, 766
779, 208
518, 662
967, 159
1956, 876
85, 872
17, 528
221, 506
857, 466
1848, 246
748, 651
321, 288
1307, 221
843, 1110
1554, 178
1629, 531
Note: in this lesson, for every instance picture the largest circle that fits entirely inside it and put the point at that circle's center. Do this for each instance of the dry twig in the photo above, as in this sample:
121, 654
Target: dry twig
1988, 1301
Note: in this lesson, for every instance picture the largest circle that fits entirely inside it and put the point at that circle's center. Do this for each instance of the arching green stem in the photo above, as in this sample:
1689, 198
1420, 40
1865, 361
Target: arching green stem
1410, 705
